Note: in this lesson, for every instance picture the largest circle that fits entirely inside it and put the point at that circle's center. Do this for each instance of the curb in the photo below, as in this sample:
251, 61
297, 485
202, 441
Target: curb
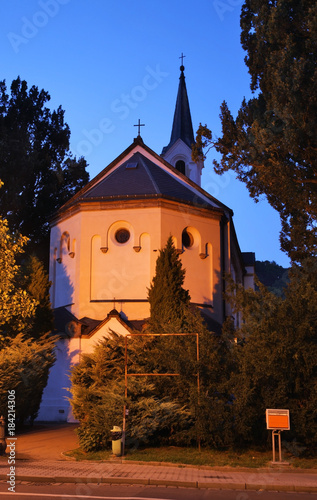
162, 482
255, 470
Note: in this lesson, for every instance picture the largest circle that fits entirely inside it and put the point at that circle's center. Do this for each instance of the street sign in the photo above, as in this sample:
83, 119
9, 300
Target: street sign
277, 420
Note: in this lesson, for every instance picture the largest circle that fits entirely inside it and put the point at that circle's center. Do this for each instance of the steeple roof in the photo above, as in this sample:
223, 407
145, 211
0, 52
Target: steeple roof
182, 123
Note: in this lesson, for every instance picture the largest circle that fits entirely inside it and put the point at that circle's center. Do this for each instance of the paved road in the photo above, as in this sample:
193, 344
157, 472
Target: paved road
137, 492
46, 441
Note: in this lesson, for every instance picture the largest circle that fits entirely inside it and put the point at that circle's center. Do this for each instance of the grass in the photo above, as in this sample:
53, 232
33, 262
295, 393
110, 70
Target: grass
191, 456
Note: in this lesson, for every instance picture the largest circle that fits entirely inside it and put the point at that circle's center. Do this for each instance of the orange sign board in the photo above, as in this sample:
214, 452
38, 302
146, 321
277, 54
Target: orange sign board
277, 419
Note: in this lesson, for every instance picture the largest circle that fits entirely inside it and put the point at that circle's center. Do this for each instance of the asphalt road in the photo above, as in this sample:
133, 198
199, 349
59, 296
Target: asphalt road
46, 441
123, 492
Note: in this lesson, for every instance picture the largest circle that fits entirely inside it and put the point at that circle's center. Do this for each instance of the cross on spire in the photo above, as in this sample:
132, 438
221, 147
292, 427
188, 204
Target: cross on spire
182, 58
139, 125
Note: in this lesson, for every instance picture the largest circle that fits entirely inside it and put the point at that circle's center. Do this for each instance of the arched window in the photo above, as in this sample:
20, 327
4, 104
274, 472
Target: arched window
180, 166
187, 238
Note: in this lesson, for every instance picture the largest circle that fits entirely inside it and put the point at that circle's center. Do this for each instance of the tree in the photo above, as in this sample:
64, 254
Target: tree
272, 143
168, 299
34, 280
162, 409
24, 289
98, 398
24, 367
36, 166
16, 305
271, 275
276, 358
171, 312
24, 362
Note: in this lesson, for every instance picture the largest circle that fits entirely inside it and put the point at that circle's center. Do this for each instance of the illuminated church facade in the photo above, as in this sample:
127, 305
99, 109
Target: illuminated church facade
106, 239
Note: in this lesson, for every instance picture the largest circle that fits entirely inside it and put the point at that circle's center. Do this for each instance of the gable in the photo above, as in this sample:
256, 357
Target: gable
141, 177
139, 173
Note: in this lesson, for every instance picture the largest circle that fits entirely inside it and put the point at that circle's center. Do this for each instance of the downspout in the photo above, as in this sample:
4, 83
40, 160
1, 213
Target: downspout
223, 223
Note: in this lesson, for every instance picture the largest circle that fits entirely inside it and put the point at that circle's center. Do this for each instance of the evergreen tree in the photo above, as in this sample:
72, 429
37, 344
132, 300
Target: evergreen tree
36, 166
171, 312
17, 307
164, 409
273, 276
98, 398
271, 144
169, 301
276, 358
24, 368
35, 282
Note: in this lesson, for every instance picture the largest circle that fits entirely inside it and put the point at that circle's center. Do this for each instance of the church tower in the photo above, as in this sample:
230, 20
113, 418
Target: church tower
178, 151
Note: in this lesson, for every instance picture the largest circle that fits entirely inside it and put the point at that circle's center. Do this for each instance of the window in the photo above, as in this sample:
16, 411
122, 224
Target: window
187, 239
122, 235
180, 166
131, 165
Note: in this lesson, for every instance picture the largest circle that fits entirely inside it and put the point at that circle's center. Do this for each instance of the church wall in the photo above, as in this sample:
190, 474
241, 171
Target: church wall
64, 261
108, 271
202, 259
55, 406
111, 325
249, 277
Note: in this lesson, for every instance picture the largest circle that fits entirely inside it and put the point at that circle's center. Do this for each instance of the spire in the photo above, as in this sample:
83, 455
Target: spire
182, 123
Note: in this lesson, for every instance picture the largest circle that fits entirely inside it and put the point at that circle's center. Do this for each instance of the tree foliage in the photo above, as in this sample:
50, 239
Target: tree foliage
34, 279
36, 166
98, 398
24, 289
16, 305
26, 353
268, 362
169, 301
276, 358
271, 275
166, 409
24, 367
272, 143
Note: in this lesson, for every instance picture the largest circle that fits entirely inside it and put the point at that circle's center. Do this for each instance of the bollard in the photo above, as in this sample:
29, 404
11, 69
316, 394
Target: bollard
116, 438
3, 443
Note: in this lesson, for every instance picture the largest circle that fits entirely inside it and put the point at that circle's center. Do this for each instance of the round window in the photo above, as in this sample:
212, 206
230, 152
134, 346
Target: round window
187, 239
122, 235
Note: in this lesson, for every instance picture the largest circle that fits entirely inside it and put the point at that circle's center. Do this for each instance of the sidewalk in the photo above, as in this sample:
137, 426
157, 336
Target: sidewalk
39, 459
59, 471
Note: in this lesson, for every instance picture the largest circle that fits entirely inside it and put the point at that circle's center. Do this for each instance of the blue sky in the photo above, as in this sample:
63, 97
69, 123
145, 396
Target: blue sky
109, 63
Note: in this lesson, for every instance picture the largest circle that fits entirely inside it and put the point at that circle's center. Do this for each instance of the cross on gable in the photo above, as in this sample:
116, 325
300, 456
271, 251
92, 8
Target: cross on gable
139, 125
182, 58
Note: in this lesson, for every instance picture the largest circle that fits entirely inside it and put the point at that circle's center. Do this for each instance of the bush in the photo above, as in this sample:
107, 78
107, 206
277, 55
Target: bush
24, 367
98, 399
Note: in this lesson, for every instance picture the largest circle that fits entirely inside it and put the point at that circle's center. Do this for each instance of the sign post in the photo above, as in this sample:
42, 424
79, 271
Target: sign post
277, 421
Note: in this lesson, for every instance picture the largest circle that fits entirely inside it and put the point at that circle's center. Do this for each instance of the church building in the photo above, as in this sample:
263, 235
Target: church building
105, 241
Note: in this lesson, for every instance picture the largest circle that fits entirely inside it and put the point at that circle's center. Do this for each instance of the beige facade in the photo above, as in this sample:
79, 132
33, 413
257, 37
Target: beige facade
91, 271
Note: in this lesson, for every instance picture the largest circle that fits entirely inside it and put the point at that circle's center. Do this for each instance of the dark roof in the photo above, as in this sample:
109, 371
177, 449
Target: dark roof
182, 123
62, 318
89, 324
248, 258
158, 180
139, 177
